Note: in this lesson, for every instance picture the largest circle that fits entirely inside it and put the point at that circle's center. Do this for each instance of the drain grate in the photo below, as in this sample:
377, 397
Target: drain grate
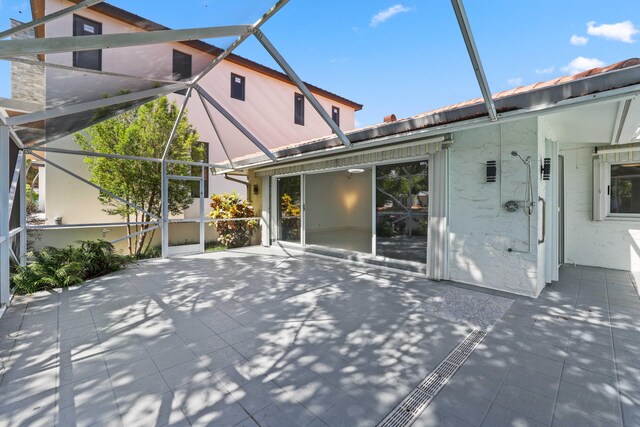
417, 401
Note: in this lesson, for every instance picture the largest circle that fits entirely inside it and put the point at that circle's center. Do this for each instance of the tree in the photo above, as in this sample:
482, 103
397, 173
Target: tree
143, 132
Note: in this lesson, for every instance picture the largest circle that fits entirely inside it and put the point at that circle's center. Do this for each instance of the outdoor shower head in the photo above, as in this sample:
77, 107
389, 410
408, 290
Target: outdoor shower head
525, 161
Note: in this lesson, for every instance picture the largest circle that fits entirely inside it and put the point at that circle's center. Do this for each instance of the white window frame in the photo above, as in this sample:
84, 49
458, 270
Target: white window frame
602, 191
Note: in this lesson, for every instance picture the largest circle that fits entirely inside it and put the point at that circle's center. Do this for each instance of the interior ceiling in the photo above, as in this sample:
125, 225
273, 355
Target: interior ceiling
588, 124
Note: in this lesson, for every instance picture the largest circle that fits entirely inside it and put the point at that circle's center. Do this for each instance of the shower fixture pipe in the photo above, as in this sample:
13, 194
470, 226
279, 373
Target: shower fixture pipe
528, 196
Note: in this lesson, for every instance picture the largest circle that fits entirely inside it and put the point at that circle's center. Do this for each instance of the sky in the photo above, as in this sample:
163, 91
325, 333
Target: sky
407, 58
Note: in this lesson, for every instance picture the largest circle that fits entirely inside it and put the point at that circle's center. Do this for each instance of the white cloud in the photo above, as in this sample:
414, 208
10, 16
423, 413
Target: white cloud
357, 123
622, 31
578, 40
386, 14
581, 64
515, 82
547, 70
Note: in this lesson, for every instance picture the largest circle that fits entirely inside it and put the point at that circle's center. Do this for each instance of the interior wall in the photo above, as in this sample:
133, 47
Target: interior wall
338, 200
611, 243
488, 245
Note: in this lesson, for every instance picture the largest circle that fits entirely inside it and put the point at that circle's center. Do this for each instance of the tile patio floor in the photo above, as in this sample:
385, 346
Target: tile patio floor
256, 337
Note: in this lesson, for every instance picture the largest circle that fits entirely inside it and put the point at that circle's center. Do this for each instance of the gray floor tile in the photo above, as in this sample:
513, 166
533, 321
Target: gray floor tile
171, 357
532, 405
283, 415
350, 412
184, 373
533, 381
436, 417
130, 393
499, 416
602, 402
156, 411
539, 363
456, 400
570, 416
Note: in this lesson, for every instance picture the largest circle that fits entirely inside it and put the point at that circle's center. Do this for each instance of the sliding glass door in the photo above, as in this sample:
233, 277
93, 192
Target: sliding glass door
289, 204
402, 211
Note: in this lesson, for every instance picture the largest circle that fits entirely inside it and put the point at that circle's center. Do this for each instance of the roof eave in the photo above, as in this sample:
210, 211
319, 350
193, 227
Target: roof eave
536, 102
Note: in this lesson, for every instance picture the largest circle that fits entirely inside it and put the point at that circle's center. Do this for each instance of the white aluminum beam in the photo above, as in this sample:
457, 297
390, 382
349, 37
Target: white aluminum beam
66, 110
79, 70
119, 156
174, 130
165, 211
88, 225
134, 234
215, 128
235, 122
303, 88
23, 210
202, 224
264, 18
21, 47
86, 181
47, 18
4, 216
15, 180
467, 35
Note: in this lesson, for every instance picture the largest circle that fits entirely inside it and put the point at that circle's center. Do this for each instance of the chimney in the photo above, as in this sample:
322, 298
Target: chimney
390, 118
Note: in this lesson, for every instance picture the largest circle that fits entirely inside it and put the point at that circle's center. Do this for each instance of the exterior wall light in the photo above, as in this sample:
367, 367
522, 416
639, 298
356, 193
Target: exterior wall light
492, 171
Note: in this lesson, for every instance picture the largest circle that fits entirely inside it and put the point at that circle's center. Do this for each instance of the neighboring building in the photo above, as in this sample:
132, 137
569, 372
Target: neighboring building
452, 195
265, 101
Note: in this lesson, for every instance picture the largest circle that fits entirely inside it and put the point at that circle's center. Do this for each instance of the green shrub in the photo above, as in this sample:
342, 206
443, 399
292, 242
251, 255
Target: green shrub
232, 234
59, 268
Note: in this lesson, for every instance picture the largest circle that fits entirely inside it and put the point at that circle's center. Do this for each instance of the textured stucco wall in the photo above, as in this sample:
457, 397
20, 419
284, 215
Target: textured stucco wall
612, 243
481, 230
27, 81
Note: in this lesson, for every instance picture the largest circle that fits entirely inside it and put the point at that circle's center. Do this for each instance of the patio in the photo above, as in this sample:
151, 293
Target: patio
261, 337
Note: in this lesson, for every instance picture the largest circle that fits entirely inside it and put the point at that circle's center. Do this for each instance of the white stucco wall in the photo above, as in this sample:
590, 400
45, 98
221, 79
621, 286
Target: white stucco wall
611, 243
481, 230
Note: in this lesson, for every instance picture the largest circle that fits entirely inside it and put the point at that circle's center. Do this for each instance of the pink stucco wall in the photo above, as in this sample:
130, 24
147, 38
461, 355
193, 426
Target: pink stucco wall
267, 111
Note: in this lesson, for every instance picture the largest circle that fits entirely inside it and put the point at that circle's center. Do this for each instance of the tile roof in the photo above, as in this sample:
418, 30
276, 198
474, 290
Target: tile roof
538, 94
529, 88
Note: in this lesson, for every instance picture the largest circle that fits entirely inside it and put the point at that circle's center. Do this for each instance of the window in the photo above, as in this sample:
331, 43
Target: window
335, 115
181, 65
298, 116
237, 87
91, 59
199, 153
624, 189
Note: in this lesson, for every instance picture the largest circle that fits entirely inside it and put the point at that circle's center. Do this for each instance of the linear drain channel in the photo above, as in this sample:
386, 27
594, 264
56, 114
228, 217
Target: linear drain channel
417, 401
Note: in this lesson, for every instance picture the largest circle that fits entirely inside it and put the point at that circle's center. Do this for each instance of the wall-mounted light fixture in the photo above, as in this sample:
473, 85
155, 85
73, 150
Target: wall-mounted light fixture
545, 169
256, 189
492, 171
355, 170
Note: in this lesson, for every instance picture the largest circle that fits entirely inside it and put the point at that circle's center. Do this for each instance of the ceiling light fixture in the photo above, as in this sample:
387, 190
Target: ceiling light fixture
355, 170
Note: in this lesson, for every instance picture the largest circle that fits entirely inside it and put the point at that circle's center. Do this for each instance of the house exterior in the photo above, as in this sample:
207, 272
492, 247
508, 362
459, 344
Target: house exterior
452, 195
263, 100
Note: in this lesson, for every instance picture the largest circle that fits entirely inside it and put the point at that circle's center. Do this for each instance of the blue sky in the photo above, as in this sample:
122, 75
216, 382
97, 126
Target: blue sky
406, 58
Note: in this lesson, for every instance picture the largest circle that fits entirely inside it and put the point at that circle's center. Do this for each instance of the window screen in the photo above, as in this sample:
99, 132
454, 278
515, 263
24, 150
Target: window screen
335, 115
625, 188
181, 65
91, 59
299, 109
237, 87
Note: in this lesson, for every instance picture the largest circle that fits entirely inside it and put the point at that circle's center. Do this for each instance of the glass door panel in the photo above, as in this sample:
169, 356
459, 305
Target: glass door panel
402, 211
289, 208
